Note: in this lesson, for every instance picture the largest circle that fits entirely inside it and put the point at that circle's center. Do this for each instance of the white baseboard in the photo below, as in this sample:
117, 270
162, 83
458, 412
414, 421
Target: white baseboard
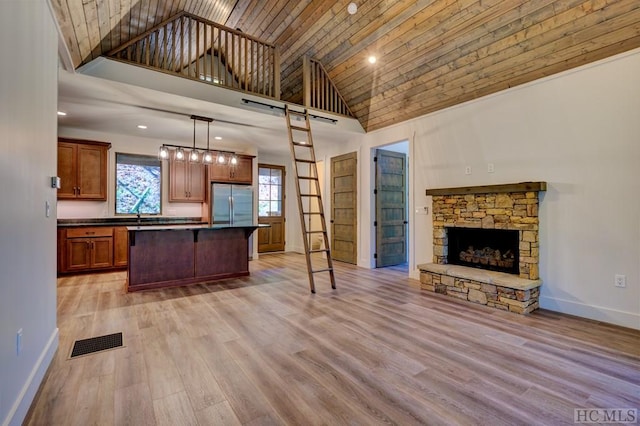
598, 313
25, 398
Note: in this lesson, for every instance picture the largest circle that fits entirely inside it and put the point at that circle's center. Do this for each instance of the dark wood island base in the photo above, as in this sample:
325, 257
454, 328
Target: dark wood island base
170, 256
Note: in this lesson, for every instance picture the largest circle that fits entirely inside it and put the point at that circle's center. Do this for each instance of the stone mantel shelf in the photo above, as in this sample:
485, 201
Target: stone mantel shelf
491, 189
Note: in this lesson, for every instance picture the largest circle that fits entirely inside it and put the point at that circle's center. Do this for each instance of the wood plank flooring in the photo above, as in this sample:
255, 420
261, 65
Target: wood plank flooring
263, 350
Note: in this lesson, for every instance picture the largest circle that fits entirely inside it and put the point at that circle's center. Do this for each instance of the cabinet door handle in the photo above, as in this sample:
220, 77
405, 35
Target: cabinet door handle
90, 232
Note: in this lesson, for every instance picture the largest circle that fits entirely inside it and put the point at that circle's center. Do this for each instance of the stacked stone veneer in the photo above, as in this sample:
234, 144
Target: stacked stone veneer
500, 210
494, 289
515, 210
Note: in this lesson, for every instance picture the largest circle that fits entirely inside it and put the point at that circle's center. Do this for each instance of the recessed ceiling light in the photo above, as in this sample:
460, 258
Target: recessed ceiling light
62, 113
372, 59
218, 138
352, 8
141, 126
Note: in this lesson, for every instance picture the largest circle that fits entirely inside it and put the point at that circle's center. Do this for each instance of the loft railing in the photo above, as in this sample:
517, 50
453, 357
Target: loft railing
196, 48
319, 92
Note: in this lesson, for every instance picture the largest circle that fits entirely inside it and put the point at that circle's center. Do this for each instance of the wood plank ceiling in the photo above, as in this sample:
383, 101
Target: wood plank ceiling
432, 54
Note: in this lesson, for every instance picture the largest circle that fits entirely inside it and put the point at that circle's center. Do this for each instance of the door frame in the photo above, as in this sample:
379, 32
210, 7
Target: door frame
283, 201
407, 148
378, 222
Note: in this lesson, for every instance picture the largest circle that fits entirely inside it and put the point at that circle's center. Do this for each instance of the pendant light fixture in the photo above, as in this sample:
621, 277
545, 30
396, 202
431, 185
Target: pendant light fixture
207, 157
194, 154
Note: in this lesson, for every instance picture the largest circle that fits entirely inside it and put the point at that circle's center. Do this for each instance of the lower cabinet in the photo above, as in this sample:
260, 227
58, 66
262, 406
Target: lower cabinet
120, 246
92, 248
89, 253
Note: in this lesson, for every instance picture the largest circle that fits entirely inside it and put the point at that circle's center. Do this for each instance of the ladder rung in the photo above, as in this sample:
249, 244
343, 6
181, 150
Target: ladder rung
308, 177
301, 160
310, 195
322, 270
312, 213
302, 113
301, 129
305, 144
315, 232
318, 250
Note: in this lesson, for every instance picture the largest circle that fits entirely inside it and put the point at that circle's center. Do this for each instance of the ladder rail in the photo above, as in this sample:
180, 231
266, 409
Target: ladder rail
311, 175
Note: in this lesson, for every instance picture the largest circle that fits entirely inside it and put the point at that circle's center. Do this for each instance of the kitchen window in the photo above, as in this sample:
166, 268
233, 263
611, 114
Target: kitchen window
138, 184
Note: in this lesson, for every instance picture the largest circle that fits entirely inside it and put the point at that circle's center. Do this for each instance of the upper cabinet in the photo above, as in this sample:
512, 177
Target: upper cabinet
238, 173
82, 168
187, 182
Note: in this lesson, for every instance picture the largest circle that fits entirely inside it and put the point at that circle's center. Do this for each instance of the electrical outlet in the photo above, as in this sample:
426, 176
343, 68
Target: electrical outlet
19, 342
490, 168
467, 170
620, 280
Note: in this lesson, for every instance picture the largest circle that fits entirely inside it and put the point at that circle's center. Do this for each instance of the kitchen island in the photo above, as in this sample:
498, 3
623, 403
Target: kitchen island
169, 256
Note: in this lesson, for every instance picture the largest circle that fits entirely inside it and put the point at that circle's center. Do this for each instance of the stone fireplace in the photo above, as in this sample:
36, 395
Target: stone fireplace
484, 236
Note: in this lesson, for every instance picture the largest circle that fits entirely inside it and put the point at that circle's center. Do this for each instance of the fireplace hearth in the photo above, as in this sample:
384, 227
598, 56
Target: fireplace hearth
492, 249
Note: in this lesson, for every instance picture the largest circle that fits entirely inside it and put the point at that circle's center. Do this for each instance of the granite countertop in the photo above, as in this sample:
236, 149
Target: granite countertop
187, 227
131, 221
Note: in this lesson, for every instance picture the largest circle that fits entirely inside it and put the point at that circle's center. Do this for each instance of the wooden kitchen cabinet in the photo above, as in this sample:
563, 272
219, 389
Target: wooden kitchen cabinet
187, 181
239, 173
88, 249
120, 246
82, 168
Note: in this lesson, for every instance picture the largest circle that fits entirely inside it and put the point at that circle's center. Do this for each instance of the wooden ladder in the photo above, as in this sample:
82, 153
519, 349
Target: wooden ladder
304, 158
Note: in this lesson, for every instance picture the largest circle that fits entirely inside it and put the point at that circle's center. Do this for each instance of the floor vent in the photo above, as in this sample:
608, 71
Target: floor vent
96, 344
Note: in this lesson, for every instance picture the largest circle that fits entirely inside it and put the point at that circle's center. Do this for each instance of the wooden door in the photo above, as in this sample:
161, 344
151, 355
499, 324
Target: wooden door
67, 170
271, 197
391, 208
120, 246
219, 172
102, 252
78, 254
178, 184
92, 172
243, 171
344, 208
197, 182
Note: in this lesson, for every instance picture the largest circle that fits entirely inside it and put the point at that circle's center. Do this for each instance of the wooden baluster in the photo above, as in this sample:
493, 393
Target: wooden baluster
189, 43
276, 72
246, 64
211, 52
197, 58
219, 61
181, 45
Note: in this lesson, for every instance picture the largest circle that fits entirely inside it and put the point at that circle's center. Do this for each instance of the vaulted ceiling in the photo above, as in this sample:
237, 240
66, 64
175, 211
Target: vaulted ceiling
431, 53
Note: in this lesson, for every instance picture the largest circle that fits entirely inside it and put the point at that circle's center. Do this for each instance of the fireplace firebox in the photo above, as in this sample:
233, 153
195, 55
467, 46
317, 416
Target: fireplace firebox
492, 249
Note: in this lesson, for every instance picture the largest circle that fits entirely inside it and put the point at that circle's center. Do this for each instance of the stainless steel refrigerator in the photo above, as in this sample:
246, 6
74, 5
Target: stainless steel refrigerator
232, 204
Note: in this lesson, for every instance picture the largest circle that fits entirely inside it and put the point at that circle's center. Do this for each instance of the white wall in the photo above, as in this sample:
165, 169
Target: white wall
28, 100
578, 131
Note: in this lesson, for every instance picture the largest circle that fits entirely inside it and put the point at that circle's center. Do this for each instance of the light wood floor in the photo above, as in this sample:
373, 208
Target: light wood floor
263, 350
